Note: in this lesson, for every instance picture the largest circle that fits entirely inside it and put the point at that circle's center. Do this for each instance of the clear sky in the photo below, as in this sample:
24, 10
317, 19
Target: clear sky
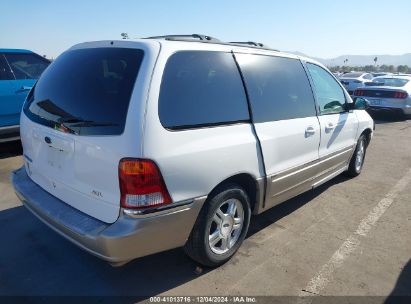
319, 28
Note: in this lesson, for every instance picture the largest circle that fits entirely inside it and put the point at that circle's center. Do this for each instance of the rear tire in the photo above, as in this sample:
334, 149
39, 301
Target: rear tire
221, 226
357, 159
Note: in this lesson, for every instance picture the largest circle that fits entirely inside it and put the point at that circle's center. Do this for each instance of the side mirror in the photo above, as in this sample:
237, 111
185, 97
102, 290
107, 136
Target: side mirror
361, 103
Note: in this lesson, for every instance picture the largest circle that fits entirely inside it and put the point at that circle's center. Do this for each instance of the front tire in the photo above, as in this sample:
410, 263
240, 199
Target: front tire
357, 160
220, 227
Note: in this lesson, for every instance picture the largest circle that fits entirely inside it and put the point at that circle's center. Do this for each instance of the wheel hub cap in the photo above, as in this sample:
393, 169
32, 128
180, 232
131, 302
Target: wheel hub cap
226, 226
360, 156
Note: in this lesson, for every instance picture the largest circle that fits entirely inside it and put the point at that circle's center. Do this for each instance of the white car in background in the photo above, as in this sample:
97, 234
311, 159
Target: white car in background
354, 80
378, 74
388, 93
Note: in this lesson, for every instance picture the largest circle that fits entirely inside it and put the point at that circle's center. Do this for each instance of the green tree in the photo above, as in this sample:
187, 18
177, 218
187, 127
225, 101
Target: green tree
384, 68
402, 69
370, 68
335, 68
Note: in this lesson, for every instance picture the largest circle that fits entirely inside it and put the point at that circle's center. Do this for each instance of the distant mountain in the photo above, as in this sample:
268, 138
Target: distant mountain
361, 60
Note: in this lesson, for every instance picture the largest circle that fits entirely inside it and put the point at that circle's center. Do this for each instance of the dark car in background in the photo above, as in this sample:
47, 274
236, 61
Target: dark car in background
19, 71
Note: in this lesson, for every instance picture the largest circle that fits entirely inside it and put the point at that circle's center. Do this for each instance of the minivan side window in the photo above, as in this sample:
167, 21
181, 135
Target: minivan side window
26, 66
330, 95
278, 87
201, 88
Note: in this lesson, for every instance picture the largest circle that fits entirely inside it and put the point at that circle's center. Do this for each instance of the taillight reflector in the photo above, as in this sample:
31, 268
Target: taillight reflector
141, 184
359, 93
400, 95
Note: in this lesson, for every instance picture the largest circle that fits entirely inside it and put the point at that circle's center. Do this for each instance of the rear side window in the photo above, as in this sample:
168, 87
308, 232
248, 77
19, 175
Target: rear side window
278, 87
86, 91
201, 88
26, 66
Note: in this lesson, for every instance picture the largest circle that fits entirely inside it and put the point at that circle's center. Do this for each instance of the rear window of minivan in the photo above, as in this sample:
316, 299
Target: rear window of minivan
86, 91
201, 89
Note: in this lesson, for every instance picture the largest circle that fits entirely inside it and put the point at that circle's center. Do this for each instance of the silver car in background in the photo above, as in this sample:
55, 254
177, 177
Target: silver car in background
388, 93
354, 80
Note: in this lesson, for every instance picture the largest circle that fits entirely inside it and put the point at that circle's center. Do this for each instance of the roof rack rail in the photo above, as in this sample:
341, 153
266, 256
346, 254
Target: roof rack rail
250, 43
186, 37
253, 44
209, 39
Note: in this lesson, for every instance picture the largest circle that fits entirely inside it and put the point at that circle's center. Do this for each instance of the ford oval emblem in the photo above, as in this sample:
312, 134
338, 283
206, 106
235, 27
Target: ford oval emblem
47, 140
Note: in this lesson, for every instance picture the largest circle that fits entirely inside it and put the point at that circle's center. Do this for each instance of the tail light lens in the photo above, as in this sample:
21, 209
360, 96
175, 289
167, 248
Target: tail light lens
400, 95
359, 92
141, 184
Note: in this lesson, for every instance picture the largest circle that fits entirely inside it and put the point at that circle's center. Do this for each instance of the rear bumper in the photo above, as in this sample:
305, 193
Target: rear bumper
130, 237
9, 133
393, 109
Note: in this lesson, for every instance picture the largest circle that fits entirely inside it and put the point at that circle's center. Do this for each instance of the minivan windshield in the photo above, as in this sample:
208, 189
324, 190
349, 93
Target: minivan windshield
86, 91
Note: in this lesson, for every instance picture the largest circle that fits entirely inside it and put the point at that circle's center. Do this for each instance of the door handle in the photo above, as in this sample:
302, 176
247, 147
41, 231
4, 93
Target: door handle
23, 89
309, 131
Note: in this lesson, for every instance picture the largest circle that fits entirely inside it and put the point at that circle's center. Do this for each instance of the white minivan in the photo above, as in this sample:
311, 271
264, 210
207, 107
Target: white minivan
134, 147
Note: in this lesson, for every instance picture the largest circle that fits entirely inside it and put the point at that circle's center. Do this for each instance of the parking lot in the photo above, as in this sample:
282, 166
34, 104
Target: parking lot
348, 237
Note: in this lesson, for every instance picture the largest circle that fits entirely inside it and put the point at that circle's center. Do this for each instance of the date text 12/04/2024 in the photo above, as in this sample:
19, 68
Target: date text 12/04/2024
203, 299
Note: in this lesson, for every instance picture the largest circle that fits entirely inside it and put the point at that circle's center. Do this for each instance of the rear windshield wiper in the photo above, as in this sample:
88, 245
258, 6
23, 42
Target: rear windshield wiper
70, 125
73, 121
89, 123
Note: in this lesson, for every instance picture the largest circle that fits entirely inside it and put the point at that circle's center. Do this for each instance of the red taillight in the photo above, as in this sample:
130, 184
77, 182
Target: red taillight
359, 93
400, 95
141, 184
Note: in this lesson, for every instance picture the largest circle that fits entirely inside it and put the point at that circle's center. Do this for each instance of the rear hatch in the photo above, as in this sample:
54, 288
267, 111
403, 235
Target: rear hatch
73, 127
